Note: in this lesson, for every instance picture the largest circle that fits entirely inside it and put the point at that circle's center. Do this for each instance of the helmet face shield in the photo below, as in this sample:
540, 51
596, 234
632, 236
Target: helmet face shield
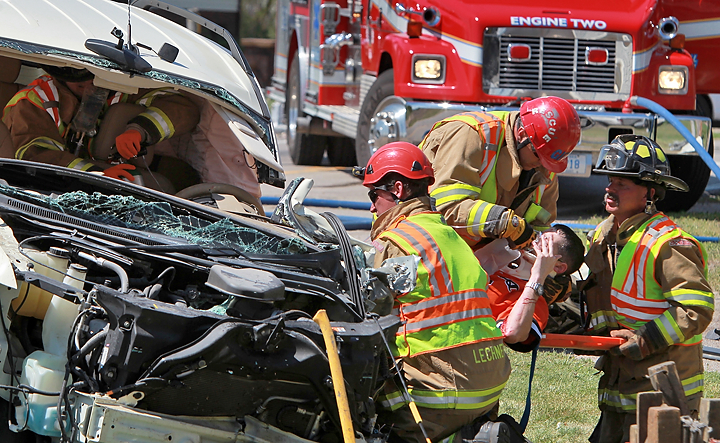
615, 159
638, 157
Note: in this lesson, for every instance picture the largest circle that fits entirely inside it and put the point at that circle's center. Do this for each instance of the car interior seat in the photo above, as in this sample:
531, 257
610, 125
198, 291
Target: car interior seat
9, 70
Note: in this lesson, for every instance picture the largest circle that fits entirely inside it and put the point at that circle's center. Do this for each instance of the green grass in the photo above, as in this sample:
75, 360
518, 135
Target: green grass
564, 400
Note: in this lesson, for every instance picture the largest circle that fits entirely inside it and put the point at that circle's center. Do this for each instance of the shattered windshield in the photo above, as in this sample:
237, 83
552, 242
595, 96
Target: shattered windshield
158, 217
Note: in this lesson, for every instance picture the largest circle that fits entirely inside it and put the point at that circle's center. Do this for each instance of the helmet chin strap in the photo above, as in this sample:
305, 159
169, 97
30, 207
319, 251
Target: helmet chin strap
650, 207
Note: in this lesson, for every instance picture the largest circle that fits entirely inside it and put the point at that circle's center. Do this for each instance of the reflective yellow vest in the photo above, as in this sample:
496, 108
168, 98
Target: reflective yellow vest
448, 308
637, 298
449, 305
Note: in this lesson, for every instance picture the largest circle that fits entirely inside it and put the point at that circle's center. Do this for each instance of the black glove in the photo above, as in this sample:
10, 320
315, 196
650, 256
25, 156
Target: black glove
557, 288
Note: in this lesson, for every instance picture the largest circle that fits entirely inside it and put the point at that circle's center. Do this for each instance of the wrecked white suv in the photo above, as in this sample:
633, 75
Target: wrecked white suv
131, 314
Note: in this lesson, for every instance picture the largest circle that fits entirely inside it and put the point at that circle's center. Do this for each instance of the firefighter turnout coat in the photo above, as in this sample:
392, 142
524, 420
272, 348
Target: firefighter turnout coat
650, 277
39, 119
478, 175
452, 353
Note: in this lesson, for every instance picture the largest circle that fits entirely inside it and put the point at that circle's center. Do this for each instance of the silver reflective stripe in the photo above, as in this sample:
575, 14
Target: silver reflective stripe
444, 319
640, 302
694, 385
434, 302
627, 312
669, 328
692, 297
430, 265
640, 270
456, 193
162, 124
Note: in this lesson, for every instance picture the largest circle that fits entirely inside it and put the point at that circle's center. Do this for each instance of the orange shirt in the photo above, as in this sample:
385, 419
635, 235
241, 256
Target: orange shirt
504, 291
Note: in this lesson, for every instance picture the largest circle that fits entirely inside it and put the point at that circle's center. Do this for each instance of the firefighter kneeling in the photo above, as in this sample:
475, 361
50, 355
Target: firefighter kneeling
453, 358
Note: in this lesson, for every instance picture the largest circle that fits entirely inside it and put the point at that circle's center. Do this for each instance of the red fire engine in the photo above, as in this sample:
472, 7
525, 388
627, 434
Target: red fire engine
356, 75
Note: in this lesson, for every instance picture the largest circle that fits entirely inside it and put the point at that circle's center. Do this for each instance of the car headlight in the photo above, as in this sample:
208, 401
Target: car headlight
428, 69
672, 80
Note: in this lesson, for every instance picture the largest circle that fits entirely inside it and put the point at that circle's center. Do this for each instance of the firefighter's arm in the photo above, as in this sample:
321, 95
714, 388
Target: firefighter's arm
547, 210
36, 137
168, 114
517, 326
457, 152
28, 123
680, 271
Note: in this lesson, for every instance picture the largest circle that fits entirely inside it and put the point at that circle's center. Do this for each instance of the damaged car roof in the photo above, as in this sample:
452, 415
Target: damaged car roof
60, 32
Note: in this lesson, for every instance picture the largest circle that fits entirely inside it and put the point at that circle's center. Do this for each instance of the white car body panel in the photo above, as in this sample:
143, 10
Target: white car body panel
67, 24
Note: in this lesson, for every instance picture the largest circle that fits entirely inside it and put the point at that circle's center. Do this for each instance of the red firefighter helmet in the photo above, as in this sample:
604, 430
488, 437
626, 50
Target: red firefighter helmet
553, 126
404, 158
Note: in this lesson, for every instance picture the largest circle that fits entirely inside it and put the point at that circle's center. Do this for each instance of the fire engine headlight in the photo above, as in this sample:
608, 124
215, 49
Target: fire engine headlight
428, 69
672, 80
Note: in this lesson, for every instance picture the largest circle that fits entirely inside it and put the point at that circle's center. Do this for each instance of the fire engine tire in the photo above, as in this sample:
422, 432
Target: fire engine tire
693, 170
305, 149
382, 88
341, 151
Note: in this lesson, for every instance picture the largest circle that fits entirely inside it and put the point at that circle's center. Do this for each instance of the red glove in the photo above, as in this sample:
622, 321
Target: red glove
128, 143
120, 171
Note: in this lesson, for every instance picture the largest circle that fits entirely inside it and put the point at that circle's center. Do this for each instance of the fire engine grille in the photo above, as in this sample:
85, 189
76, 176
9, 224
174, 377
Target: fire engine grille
557, 62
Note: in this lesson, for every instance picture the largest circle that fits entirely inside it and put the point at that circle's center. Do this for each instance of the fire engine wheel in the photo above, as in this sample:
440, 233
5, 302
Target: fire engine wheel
341, 151
382, 118
693, 170
305, 149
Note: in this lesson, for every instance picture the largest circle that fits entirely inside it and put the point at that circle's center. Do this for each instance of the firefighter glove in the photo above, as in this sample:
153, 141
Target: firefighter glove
519, 233
557, 288
635, 348
121, 171
128, 143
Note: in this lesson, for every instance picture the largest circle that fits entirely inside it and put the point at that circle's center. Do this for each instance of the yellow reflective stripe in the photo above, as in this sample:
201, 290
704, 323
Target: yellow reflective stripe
692, 297
81, 165
626, 402
161, 122
693, 385
455, 192
477, 219
148, 98
669, 328
40, 142
445, 399
602, 319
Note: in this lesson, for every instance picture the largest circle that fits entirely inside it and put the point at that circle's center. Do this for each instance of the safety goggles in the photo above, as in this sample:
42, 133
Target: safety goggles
615, 158
373, 195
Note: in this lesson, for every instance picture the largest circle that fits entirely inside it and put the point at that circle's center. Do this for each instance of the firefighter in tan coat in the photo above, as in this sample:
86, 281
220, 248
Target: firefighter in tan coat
495, 172
454, 361
647, 284
44, 119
